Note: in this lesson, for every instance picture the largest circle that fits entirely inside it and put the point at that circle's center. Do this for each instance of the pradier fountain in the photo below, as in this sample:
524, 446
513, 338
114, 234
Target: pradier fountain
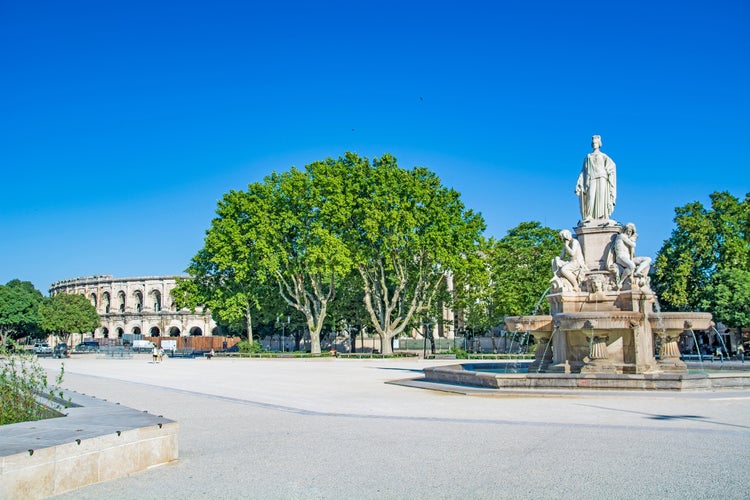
604, 319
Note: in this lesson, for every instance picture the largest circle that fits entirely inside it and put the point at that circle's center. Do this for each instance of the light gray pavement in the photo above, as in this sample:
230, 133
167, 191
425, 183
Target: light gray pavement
333, 428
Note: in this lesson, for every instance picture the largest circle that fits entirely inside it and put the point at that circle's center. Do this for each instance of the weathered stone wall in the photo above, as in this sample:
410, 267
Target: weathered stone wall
137, 305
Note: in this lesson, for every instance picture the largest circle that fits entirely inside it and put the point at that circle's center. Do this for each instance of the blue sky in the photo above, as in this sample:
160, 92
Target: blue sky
123, 123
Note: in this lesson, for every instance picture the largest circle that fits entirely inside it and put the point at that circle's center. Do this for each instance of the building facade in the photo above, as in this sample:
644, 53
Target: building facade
141, 305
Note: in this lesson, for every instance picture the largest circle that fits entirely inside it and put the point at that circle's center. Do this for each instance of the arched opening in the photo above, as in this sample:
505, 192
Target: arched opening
154, 331
92, 298
105, 332
156, 300
121, 301
215, 331
138, 297
106, 300
174, 331
120, 333
196, 331
136, 330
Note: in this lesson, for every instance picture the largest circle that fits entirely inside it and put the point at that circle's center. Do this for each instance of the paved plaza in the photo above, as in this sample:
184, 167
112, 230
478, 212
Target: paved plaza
334, 428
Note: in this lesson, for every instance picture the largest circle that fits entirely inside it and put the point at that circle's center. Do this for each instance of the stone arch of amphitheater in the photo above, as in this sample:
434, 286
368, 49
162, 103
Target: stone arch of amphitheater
141, 305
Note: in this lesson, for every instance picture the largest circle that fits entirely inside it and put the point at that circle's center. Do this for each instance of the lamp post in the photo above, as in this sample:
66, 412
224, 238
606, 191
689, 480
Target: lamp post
349, 334
283, 331
427, 331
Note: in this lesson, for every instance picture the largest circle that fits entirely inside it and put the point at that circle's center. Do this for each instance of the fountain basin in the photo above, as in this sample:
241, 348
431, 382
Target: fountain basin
540, 323
598, 320
470, 374
676, 322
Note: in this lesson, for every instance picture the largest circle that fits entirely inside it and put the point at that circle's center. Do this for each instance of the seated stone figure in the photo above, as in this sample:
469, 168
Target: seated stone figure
569, 273
625, 259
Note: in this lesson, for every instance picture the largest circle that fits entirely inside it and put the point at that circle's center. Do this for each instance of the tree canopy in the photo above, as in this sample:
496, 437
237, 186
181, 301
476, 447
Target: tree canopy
225, 276
409, 235
18, 309
306, 231
727, 296
474, 300
282, 233
706, 256
65, 313
521, 268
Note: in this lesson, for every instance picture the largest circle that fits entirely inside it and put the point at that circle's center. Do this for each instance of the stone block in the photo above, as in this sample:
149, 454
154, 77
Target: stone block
596, 244
78, 449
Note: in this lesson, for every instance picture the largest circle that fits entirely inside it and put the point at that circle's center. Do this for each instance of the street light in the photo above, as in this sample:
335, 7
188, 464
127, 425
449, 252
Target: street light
283, 329
428, 331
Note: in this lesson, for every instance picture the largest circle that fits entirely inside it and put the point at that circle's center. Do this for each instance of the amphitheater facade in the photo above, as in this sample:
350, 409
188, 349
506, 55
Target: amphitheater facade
141, 305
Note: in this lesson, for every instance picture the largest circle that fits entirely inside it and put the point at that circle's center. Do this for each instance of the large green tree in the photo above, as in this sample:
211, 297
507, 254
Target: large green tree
521, 268
282, 232
19, 301
409, 233
474, 297
226, 275
66, 313
698, 256
305, 252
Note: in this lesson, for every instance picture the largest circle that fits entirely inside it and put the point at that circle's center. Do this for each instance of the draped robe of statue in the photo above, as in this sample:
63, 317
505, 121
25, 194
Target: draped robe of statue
596, 186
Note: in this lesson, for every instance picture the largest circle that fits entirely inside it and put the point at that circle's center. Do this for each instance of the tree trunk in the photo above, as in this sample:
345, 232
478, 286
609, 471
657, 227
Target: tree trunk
386, 346
314, 342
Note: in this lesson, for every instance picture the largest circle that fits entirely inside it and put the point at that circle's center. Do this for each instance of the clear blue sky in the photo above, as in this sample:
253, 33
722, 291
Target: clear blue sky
123, 123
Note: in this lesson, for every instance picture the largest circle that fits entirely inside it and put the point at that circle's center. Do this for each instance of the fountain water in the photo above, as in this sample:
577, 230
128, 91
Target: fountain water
541, 298
697, 348
721, 340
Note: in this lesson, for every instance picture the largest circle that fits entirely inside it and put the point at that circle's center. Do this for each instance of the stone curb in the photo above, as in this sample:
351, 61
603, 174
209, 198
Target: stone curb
94, 441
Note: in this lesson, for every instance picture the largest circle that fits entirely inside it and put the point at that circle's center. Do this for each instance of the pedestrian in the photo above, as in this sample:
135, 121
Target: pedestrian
161, 354
741, 352
211, 354
155, 355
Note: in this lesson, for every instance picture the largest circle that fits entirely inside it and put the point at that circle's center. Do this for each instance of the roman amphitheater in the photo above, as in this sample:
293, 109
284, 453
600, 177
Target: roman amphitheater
141, 305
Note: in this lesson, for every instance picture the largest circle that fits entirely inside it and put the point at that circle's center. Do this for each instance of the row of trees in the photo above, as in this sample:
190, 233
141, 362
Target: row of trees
367, 231
378, 244
25, 312
363, 240
368, 243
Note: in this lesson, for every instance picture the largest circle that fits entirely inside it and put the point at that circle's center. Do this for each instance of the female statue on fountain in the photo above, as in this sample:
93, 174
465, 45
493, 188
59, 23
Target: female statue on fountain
597, 186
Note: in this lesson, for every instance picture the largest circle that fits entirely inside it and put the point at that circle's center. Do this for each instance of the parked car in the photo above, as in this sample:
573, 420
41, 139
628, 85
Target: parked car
42, 348
88, 346
61, 351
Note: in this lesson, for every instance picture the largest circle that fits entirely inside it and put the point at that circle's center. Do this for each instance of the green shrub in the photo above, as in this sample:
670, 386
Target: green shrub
23, 386
460, 353
250, 347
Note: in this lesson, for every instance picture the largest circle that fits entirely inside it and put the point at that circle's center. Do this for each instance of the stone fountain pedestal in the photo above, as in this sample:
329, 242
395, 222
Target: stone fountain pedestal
607, 325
